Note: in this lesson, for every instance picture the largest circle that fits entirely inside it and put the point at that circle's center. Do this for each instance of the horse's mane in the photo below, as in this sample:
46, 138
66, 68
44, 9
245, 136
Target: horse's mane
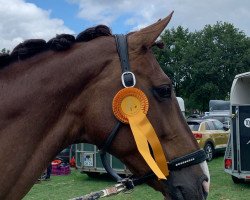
61, 42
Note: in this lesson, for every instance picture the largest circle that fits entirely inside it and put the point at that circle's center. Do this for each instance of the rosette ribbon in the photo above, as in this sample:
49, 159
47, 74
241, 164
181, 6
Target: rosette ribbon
130, 105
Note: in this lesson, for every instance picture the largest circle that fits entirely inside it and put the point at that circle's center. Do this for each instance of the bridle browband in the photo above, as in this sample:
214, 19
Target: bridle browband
128, 80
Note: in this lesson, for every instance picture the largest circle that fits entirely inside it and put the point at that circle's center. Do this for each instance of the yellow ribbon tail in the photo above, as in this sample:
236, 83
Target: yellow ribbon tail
144, 133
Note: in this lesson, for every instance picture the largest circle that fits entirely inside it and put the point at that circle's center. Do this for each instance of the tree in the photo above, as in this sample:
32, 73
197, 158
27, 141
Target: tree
171, 58
202, 65
4, 50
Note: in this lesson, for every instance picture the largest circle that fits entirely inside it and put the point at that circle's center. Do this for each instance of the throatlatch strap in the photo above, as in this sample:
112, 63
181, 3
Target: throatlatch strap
103, 156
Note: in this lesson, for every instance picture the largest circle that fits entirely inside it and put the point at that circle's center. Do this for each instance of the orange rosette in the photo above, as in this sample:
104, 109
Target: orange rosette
129, 102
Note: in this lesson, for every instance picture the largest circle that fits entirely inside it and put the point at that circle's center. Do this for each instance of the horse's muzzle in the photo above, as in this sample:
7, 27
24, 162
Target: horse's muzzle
183, 186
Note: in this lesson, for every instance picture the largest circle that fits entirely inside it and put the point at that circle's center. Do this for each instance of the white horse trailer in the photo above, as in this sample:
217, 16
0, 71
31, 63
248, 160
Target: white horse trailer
237, 155
181, 104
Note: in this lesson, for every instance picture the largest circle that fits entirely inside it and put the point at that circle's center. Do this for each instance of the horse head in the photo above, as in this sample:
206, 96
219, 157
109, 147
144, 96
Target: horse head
164, 114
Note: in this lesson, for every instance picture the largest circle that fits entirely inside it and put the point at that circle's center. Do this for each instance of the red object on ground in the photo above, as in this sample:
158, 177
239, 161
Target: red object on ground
72, 162
56, 162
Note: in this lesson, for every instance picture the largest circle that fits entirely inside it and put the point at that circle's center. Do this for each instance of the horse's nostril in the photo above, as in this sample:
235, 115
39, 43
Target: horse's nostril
205, 185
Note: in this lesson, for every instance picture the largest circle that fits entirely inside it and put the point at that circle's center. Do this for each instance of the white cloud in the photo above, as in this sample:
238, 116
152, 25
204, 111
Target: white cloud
107, 11
21, 20
192, 14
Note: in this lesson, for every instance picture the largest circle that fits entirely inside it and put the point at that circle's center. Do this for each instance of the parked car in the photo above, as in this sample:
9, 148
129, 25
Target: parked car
223, 117
66, 154
194, 116
210, 134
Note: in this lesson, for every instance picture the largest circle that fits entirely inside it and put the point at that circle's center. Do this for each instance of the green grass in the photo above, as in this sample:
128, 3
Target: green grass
77, 184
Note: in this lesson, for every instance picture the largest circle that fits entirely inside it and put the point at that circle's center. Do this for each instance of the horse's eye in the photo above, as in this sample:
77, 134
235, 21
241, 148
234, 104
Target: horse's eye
162, 92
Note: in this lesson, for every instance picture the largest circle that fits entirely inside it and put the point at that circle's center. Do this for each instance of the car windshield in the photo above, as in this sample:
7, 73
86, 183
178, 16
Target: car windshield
218, 125
194, 126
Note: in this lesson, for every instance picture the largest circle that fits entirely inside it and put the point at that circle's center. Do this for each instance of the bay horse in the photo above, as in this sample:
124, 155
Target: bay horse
60, 92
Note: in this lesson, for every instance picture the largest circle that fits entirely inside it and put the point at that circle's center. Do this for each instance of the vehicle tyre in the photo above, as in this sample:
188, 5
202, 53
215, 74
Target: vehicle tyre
237, 180
93, 174
209, 150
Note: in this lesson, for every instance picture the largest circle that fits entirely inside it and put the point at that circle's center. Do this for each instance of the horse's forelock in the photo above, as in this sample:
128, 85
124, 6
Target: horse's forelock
61, 42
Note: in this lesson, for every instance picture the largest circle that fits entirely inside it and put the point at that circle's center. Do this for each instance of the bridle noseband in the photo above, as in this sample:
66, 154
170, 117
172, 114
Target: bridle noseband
128, 80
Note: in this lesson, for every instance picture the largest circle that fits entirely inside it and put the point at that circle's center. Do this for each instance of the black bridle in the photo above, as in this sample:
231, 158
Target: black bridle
128, 80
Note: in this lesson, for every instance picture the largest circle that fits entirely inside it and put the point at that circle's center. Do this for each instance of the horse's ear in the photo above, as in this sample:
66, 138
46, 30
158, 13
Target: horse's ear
148, 35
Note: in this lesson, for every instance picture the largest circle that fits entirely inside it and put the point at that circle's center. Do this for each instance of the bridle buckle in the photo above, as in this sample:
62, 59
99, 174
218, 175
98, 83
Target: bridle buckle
128, 79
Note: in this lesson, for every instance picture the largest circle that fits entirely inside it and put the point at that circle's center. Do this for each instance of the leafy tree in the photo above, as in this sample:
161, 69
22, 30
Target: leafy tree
171, 58
4, 50
202, 65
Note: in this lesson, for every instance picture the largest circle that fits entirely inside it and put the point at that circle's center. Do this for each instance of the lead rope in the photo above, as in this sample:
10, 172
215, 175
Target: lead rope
110, 191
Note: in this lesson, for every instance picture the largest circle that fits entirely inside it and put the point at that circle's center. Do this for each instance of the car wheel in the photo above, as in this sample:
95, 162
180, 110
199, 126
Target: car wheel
209, 150
237, 180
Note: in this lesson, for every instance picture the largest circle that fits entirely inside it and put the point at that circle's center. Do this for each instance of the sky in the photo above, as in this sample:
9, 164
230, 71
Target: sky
27, 19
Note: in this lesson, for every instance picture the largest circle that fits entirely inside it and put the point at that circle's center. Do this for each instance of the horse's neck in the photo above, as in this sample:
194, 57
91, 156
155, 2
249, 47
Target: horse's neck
33, 124
37, 97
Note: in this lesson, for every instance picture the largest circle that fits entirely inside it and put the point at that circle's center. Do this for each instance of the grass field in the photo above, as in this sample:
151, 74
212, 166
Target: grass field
77, 184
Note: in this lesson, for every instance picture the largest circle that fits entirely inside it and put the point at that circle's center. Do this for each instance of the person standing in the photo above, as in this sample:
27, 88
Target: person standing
48, 173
